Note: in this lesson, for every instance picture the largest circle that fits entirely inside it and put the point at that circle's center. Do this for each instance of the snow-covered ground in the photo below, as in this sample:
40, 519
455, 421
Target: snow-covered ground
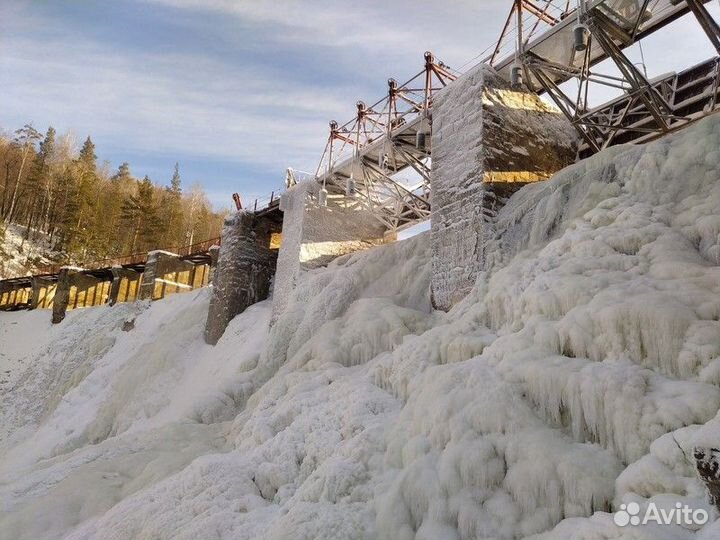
19, 256
577, 376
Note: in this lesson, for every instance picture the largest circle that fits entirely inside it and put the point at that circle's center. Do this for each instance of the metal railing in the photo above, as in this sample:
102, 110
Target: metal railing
133, 259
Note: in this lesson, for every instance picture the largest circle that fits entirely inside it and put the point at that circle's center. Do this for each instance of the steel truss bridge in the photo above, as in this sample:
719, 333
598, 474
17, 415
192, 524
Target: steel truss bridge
363, 156
543, 45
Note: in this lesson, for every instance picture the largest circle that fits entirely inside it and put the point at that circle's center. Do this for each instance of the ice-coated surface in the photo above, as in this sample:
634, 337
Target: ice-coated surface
484, 132
579, 374
313, 235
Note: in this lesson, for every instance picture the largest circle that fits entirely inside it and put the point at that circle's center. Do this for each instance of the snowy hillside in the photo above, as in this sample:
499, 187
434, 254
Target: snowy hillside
577, 376
20, 256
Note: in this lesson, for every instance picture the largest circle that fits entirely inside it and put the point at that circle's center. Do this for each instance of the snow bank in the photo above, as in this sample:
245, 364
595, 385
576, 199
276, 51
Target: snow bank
578, 375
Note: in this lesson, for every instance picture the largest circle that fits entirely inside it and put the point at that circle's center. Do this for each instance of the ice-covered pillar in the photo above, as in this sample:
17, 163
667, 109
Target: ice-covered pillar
244, 271
313, 235
488, 140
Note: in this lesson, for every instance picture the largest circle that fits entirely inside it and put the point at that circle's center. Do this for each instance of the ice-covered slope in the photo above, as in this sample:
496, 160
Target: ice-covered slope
578, 375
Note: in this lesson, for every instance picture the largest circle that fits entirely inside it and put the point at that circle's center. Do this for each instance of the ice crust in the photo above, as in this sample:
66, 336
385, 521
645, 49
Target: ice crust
578, 374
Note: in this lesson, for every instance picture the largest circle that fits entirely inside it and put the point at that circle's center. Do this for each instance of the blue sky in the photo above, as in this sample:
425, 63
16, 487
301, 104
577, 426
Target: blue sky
234, 90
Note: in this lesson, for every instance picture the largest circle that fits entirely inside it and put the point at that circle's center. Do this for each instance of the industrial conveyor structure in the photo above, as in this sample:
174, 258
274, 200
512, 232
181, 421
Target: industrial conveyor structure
381, 158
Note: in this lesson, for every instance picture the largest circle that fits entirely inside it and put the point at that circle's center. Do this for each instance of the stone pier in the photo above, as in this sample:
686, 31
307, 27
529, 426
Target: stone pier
244, 272
125, 284
488, 140
165, 273
76, 289
214, 253
62, 294
313, 235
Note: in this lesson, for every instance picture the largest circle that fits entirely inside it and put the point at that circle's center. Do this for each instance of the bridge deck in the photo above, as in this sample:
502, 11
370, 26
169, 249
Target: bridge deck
10, 298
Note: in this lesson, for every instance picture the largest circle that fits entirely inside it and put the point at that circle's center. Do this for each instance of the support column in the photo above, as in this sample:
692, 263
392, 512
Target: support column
214, 255
62, 294
147, 285
313, 235
120, 275
244, 272
162, 267
488, 140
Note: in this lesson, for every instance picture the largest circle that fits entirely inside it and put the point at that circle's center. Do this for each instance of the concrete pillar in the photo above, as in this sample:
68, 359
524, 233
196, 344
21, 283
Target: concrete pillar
62, 294
147, 285
120, 276
244, 272
88, 291
314, 235
214, 255
487, 142
161, 271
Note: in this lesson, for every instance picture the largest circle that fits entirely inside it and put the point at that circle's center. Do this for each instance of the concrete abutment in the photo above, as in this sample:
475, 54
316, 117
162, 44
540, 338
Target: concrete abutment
488, 140
313, 235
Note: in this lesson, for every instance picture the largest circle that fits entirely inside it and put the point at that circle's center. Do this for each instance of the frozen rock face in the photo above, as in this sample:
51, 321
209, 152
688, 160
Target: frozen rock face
487, 141
580, 373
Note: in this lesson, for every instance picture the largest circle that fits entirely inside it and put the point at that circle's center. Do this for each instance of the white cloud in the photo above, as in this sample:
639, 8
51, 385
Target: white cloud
233, 105
166, 103
212, 107
456, 30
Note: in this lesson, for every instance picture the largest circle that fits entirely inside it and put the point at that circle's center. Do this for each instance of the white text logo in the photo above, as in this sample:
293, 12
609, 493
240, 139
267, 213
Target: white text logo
630, 515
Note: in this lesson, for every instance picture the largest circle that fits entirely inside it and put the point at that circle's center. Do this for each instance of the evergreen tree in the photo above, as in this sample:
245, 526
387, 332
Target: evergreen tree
87, 155
175, 181
88, 212
80, 211
172, 211
139, 215
39, 183
123, 173
48, 152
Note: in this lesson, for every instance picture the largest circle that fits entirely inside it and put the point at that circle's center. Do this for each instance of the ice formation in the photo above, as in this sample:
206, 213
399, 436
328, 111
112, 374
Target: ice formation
580, 373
